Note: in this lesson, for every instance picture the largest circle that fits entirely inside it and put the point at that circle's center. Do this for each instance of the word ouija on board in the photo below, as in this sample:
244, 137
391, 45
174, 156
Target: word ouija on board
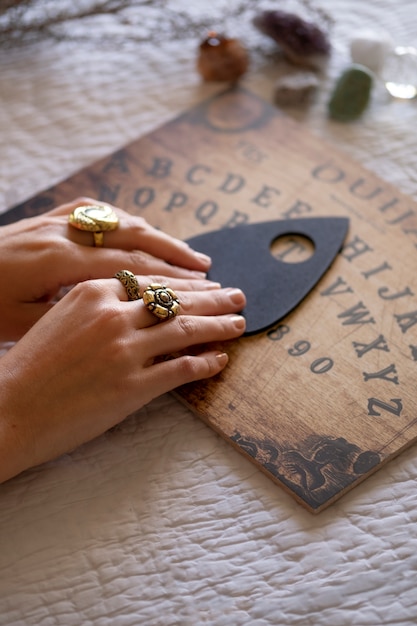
325, 396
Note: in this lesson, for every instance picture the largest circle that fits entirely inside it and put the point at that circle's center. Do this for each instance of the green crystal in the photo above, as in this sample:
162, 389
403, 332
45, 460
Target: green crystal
351, 94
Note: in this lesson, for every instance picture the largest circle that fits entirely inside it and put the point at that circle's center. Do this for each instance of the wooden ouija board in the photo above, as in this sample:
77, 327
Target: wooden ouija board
326, 396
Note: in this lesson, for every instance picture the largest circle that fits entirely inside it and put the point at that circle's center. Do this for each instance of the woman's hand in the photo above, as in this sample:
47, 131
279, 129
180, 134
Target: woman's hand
41, 255
94, 358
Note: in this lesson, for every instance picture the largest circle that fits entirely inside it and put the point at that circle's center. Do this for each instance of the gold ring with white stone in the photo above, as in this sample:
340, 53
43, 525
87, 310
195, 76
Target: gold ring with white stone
95, 218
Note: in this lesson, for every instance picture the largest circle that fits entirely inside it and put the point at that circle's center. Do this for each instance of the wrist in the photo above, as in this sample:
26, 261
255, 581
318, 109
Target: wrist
14, 440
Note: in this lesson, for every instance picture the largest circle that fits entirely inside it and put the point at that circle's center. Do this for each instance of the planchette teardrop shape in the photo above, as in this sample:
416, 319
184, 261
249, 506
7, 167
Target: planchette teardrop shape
242, 258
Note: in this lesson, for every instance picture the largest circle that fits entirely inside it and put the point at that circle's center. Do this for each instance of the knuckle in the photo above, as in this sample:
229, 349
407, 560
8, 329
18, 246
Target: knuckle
189, 367
193, 285
138, 225
104, 312
91, 294
137, 258
186, 302
90, 289
187, 325
219, 298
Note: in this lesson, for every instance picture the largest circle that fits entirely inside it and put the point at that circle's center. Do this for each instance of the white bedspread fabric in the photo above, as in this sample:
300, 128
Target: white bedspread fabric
161, 522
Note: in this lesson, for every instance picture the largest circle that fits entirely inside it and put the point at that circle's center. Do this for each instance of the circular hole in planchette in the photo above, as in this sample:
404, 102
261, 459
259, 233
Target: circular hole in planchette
292, 248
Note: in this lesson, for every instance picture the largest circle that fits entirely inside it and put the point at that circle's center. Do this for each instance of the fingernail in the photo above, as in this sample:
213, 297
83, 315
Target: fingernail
239, 321
236, 296
222, 358
203, 257
198, 274
212, 285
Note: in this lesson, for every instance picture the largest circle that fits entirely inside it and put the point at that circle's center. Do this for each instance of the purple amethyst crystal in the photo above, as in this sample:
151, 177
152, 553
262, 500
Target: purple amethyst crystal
299, 40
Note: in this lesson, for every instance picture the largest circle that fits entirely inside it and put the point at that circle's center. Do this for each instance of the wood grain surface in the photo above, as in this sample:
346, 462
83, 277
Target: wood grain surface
326, 396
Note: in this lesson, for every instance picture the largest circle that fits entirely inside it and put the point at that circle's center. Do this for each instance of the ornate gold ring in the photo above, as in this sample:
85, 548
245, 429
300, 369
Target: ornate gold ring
161, 301
130, 283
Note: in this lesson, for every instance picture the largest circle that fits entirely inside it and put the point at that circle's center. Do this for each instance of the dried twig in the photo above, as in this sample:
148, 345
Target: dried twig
25, 21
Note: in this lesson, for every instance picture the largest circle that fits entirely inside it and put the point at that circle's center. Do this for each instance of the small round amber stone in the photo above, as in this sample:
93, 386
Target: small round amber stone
221, 59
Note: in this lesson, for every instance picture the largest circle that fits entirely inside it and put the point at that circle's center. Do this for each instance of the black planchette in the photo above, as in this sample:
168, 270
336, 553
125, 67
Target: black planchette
242, 258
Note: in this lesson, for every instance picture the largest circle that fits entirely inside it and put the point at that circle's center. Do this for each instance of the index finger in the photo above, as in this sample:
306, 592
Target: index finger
135, 233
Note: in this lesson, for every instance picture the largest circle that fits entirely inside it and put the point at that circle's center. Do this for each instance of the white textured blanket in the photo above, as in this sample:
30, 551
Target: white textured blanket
160, 522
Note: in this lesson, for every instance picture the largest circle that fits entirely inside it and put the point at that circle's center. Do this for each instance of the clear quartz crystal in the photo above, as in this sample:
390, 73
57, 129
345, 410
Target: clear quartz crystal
400, 73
